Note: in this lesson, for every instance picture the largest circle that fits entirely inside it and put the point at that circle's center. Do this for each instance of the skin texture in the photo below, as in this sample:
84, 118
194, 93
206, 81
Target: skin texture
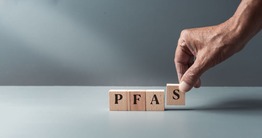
199, 49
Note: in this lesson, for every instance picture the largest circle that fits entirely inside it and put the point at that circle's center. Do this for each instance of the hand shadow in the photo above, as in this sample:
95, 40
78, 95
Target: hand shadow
236, 106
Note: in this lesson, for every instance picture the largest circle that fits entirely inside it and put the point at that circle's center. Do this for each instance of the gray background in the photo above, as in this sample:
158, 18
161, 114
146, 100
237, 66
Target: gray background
111, 42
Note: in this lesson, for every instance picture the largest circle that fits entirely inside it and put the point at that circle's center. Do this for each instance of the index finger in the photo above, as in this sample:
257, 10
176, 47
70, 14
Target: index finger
183, 58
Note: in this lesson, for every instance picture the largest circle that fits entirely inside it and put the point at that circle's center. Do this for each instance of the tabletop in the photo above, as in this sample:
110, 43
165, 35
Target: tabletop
83, 112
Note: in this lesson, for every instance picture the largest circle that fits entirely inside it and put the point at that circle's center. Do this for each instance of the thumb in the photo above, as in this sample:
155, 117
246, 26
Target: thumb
191, 76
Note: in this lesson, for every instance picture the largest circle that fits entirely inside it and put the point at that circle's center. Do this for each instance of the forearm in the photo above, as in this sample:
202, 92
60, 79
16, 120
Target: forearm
247, 20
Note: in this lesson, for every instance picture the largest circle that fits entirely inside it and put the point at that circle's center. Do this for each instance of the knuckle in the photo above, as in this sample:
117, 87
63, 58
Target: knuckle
184, 33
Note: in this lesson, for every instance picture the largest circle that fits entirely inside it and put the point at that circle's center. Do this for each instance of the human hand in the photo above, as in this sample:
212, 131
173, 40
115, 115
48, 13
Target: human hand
199, 49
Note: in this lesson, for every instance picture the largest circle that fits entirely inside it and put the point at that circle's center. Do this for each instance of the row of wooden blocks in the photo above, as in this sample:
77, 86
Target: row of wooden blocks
145, 100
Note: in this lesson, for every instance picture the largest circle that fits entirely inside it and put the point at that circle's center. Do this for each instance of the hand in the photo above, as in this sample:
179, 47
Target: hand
199, 49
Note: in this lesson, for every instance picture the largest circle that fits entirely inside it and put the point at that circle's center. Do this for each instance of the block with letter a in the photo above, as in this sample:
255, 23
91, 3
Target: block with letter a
155, 100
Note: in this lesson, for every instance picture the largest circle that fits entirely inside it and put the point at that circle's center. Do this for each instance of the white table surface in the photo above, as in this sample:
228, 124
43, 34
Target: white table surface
82, 112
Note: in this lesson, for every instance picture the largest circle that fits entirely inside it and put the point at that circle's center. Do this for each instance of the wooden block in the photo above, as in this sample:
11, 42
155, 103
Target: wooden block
174, 95
137, 100
155, 100
118, 100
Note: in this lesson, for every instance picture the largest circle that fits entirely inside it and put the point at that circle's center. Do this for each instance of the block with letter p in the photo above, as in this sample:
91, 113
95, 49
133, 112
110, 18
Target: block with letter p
118, 100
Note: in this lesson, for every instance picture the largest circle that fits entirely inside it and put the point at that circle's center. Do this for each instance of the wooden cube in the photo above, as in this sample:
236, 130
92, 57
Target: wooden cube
118, 100
155, 100
137, 100
174, 95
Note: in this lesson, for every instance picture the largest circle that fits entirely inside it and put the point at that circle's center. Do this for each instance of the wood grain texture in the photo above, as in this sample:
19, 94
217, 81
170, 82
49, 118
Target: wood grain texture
137, 100
155, 100
174, 95
118, 100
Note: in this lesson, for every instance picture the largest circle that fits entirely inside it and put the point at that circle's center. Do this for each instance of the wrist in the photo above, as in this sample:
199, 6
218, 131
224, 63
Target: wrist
246, 21
237, 30
232, 34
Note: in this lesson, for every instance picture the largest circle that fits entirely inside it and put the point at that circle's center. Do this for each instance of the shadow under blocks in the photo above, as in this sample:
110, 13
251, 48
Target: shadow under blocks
217, 100
145, 100
225, 100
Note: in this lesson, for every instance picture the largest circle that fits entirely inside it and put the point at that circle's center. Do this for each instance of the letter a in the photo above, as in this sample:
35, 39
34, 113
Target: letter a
154, 99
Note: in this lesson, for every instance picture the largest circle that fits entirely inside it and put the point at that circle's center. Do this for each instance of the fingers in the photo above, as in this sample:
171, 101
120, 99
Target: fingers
188, 71
198, 83
191, 76
182, 57
182, 60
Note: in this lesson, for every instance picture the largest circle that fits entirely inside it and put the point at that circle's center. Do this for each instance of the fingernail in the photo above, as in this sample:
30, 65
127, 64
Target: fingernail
184, 87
